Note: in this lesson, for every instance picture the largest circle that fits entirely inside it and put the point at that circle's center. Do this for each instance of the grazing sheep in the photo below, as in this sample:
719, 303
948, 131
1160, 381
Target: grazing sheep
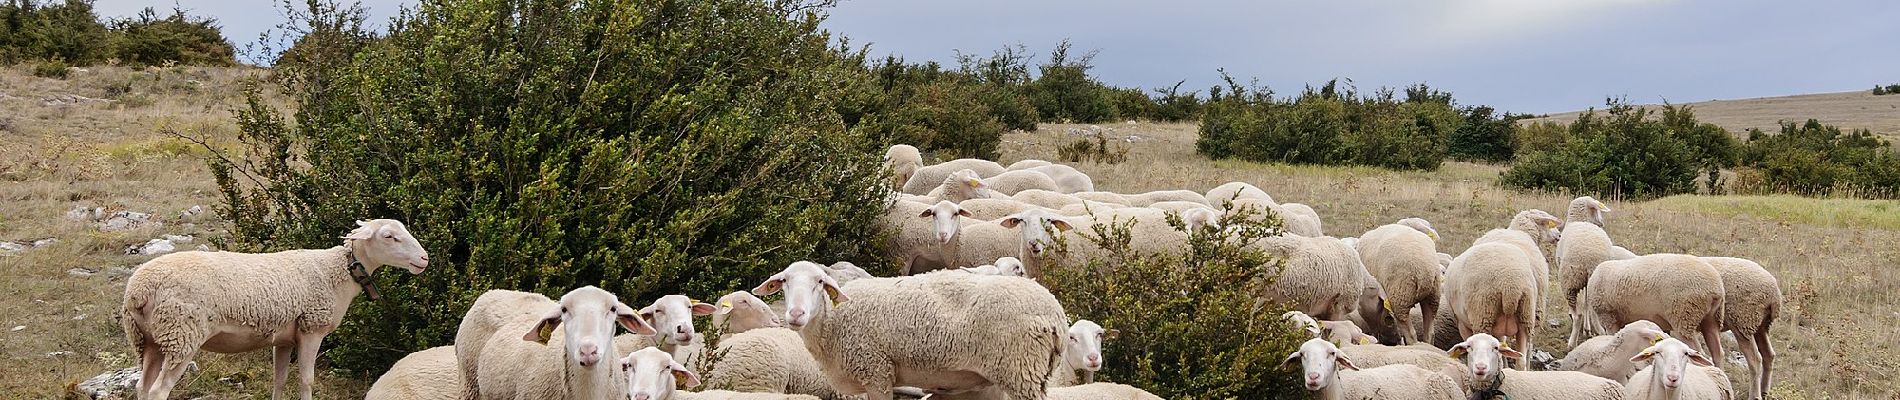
529, 366
1320, 362
902, 160
1144, 199
1067, 178
1751, 299
1290, 222
1046, 199
1027, 164
652, 375
1608, 356
1007, 331
1088, 207
1105, 197
1418, 355
1671, 375
1307, 215
740, 311
771, 360
962, 185
1405, 261
1484, 356
1220, 195
1373, 311
930, 176
230, 302
1584, 245
1680, 293
1541, 228
1006, 266
990, 209
845, 271
1025, 235
1100, 391
1012, 182
1082, 351
1322, 277
1198, 218
927, 236
424, 375
1491, 288
1340, 333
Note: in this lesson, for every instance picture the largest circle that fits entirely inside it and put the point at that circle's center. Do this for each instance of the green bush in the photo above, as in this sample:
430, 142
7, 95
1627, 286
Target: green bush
949, 117
1540, 136
1004, 78
1485, 136
1880, 90
648, 148
55, 68
1816, 159
1625, 154
147, 39
1131, 103
1172, 105
1329, 125
68, 31
1191, 325
1066, 92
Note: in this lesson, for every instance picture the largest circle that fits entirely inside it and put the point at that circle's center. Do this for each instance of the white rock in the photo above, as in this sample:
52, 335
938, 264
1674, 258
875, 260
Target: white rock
151, 248
45, 242
80, 272
194, 211
125, 220
83, 213
19, 328
176, 239
117, 384
204, 247
13, 246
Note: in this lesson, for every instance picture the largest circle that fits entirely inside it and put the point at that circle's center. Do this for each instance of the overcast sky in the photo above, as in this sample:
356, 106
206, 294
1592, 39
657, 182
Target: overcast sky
1519, 55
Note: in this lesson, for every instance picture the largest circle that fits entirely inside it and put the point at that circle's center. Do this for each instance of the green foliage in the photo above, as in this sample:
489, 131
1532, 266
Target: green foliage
1172, 105
147, 39
1880, 90
1485, 136
1329, 125
55, 68
1540, 137
1190, 324
1886, 90
72, 32
648, 148
1065, 92
1626, 154
1816, 159
1004, 80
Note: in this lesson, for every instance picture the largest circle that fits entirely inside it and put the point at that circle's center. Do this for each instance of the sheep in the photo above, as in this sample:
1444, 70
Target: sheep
230, 302
1006, 266
930, 176
1067, 178
672, 316
740, 312
1144, 199
1321, 361
963, 185
1608, 356
922, 245
1671, 376
1180, 206
1230, 191
1105, 197
1047, 199
989, 209
1100, 391
1290, 222
1198, 218
1008, 331
1373, 311
1680, 293
845, 271
1088, 207
491, 312
1321, 277
1082, 351
1405, 261
902, 160
529, 366
1025, 235
1418, 355
1027, 164
1751, 299
1541, 228
1009, 183
770, 360
1586, 209
1306, 214
1484, 355
1339, 332
1493, 286
424, 375
652, 375
1584, 245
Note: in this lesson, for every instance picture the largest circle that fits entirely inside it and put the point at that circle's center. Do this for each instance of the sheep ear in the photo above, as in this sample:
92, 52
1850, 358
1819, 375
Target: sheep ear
1458, 350
964, 213
725, 307
683, 375
1343, 361
1507, 352
1644, 356
704, 308
1653, 336
1011, 221
927, 213
831, 288
1061, 224
770, 286
545, 329
627, 319
361, 232
974, 182
1289, 359
1696, 357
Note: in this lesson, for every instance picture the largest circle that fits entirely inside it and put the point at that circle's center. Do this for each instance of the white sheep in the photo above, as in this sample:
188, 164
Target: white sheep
958, 331
902, 160
230, 302
1751, 299
1418, 355
930, 176
652, 375
1541, 228
672, 317
1305, 215
1081, 351
1584, 244
962, 185
1067, 178
1677, 372
1012, 182
1027, 164
990, 209
1006, 266
1680, 293
1088, 207
1405, 261
1340, 333
1025, 235
740, 311
1230, 191
1105, 197
424, 375
1484, 357
1100, 391
1321, 364
534, 365
1197, 219
1608, 356
927, 237
1322, 277
491, 312
770, 360
1495, 285
845, 271
1048, 199
1290, 222
1144, 199
1177, 206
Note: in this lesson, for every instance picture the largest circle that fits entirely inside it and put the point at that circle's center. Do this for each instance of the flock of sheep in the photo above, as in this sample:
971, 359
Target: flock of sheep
965, 322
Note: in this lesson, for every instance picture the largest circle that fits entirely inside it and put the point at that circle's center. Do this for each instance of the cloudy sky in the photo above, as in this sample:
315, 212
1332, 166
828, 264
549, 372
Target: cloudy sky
1519, 55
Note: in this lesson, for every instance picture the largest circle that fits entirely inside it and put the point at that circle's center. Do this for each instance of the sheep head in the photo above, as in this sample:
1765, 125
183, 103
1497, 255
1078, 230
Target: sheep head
807, 290
380, 242
589, 314
673, 316
652, 374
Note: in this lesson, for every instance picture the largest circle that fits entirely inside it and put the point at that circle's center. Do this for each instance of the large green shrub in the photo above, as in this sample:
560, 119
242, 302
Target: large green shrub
1172, 105
1625, 153
1329, 125
69, 31
147, 39
1816, 159
1065, 92
1485, 136
649, 148
1191, 325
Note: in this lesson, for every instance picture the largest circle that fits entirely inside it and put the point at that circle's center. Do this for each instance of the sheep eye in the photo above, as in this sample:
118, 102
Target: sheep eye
563, 309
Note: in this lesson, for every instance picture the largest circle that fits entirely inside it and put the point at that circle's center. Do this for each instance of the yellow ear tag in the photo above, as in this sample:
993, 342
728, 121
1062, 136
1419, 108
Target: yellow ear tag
1387, 304
974, 183
1361, 341
542, 333
726, 304
1548, 223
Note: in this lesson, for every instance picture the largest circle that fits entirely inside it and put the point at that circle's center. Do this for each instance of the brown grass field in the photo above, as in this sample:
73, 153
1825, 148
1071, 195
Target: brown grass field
1848, 110
1835, 338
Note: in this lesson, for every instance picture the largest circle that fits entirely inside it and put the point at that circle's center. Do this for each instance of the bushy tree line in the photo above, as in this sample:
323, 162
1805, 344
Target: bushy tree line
1886, 90
1332, 125
1815, 159
71, 33
1623, 153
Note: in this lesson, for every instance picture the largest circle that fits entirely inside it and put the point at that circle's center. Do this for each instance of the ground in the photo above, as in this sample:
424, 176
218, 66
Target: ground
102, 139
1848, 110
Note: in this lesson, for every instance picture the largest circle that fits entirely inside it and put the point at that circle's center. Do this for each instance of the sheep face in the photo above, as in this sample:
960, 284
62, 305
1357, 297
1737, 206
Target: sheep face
1320, 362
590, 314
965, 184
673, 315
1011, 266
743, 305
1669, 359
1484, 354
652, 374
1034, 225
1539, 224
1590, 208
1421, 225
1196, 218
944, 221
808, 291
1084, 348
382, 242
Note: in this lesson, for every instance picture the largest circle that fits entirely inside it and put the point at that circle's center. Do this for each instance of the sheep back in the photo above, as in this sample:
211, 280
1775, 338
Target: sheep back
430, 374
931, 176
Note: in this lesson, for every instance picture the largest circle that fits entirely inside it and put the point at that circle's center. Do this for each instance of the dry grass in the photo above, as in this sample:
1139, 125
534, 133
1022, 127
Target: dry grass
1848, 110
1835, 335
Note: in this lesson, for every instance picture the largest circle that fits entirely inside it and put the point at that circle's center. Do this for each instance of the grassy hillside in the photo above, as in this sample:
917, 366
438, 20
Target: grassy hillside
1848, 110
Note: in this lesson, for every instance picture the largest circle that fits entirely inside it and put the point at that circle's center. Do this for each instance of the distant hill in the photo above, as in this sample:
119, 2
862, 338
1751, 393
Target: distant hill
1848, 110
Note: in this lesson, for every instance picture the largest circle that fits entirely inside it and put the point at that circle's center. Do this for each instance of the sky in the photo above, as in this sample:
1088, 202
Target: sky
1536, 56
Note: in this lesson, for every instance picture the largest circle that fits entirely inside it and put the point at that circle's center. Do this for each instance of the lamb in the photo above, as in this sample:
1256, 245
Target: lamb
989, 209
929, 177
652, 375
1067, 178
740, 312
230, 302
771, 360
1006, 266
1230, 191
1144, 199
902, 160
845, 271
963, 185
1009, 331
1340, 333
1321, 278
1405, 261
1484, 355
1671, 376
926, 245
1751, 299
1608, 356
1027, 164
1025, 235
1493, 287
1680, 293
1584, 244
1105, 197
529, 366
1321, 363
424, 375
1418, 355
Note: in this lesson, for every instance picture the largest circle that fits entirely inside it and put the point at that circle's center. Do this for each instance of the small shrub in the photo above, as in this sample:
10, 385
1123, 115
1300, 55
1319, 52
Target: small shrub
1092, 149
1172, 105
1484, 136
54, 68
1540, 137
1065, 92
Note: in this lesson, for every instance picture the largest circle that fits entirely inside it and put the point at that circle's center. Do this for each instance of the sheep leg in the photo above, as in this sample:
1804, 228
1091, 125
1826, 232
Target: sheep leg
280, 357
173, 371
1428, 311
307, 360
1764, 379
1712, 335
1754, 361
151, 362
